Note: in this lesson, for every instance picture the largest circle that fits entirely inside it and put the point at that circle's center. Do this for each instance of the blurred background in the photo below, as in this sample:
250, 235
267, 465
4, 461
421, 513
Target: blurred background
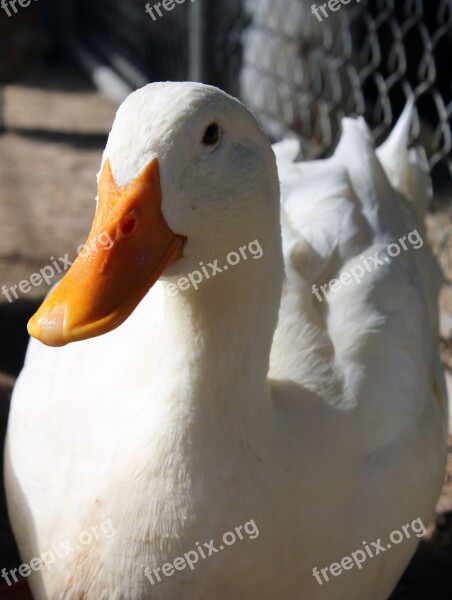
65, 65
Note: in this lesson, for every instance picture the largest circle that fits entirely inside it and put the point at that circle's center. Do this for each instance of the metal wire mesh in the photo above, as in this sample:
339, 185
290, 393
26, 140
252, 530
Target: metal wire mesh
302, 74
299, 73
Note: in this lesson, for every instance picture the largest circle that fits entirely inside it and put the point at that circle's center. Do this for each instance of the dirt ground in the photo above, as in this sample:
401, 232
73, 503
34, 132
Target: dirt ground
56, 128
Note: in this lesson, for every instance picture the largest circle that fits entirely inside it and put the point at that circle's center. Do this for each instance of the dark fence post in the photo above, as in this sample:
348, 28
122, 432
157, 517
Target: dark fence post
2, 108
58, 16
199, 19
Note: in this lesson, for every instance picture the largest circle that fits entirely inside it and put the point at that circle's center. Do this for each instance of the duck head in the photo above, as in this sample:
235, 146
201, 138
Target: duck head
186, 175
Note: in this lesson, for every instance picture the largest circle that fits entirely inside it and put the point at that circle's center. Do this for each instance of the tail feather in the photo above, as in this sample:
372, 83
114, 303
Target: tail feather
407, 169
356, 152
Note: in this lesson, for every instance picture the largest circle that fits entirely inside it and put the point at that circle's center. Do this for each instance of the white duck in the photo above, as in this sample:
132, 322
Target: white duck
204, 411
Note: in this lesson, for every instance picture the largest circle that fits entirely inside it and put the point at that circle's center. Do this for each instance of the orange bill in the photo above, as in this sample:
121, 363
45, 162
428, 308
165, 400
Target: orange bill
129, 247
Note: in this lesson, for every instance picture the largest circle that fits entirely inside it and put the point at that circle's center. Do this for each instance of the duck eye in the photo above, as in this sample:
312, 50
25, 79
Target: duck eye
212, 135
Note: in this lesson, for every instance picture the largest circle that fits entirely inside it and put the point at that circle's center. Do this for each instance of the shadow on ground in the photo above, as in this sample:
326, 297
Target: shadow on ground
14, 339
429, 575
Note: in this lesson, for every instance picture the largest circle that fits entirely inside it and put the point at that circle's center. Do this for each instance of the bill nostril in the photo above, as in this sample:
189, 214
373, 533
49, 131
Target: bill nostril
129, 224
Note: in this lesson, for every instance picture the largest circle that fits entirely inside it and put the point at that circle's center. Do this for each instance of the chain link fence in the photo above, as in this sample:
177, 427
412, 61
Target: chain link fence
298, 72
303, 73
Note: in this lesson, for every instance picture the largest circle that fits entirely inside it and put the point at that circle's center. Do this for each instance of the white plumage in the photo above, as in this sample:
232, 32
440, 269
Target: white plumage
325, 422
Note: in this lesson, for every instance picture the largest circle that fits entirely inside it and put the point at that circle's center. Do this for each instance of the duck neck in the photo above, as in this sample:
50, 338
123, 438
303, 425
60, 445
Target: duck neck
217, 339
